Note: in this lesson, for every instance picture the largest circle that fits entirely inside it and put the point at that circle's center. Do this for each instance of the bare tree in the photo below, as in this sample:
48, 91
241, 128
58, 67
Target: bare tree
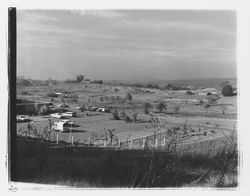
206, 106
147, 106
135, 116
156, 125
161, 106
111, 134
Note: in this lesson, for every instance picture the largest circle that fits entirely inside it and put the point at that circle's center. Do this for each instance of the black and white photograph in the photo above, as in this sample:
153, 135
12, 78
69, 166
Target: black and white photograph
124, 99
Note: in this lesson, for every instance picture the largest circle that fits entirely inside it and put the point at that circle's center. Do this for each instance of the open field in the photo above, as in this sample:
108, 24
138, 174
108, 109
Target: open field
191, 114
192, 136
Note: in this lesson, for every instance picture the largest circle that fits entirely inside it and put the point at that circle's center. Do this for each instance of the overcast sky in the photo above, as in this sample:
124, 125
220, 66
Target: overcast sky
126, 45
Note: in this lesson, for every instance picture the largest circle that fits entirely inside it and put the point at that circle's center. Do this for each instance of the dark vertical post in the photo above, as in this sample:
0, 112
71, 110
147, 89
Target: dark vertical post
12, 93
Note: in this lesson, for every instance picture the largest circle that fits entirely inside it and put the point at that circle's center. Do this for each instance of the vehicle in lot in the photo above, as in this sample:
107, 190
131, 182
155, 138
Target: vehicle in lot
71, 123
103, 110
94, 109
70, 114
82, 107
59, 115
63, 125
22, 118
63, 105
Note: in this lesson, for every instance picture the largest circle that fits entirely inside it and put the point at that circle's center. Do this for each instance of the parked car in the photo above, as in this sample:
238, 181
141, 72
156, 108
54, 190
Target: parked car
82, 107
94, 108
103, 110
61, 126
70, 114
59, 115
63, 105
22, 118
71, 123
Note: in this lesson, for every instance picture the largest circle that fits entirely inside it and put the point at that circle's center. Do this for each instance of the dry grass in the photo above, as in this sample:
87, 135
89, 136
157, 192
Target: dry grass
100, 167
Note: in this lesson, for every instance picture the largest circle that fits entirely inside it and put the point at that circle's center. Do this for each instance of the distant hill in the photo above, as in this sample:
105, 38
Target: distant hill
196, 83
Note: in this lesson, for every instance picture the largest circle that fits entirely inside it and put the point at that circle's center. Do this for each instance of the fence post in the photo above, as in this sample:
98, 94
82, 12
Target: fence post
156, 142
143, 142
131, 143
72, 140
164, 141
56, 138
89, 141
26, 134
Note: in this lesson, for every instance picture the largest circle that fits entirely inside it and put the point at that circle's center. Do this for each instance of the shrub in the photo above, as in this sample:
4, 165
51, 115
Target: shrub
128, 96
115, 115
227, 90
212, 99
135, 116
79, 78
97, 82
24, 93
188, 92
206, 106
127, 119
74, 96
51, 94
123, 114
152, 86
147, 107
176, 109
23, 82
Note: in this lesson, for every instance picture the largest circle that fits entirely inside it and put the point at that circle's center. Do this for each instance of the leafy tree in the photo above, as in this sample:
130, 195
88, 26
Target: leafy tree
123, 114
161, 106
223, 84
227, 90
115, 115
169, 86
79, 78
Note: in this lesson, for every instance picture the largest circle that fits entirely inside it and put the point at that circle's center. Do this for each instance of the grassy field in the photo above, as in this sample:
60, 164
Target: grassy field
202, 151
95, 122
38, 162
